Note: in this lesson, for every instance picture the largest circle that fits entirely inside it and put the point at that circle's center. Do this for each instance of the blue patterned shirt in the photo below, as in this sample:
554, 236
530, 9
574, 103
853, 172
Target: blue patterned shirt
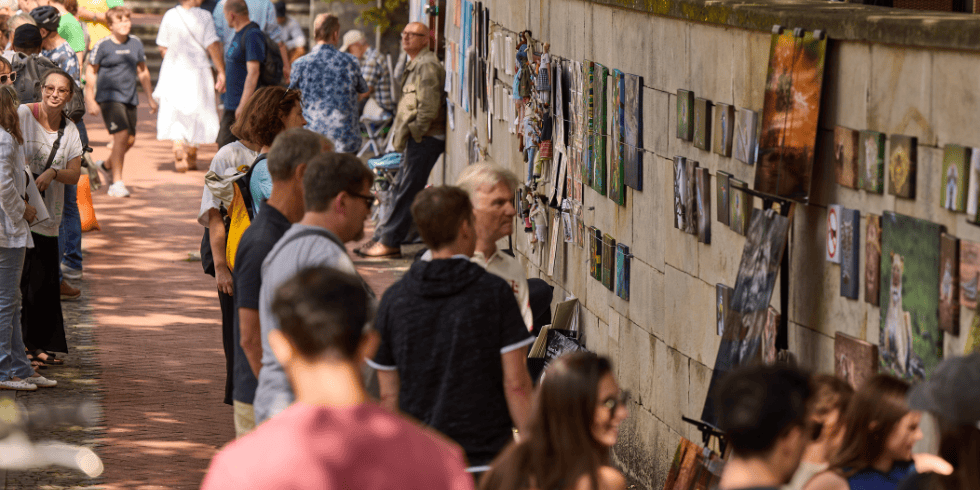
330, 81
65, 58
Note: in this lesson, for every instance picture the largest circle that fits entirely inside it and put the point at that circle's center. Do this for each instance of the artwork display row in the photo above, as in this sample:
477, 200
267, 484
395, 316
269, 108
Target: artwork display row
717, 127
609, 262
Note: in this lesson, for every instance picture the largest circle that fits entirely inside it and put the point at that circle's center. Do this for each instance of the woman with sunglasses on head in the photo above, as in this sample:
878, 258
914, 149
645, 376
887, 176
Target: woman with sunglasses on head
831, 395
574, 423
7, 75
53, 151
879, 432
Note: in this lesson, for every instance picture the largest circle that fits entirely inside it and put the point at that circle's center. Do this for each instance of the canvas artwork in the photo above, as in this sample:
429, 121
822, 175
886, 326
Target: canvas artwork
580, 230
617, 148
973, 337
969, 273
902, 165
871, 161
685, 114
745, 135
723, 297
791, 108
595, 253
691, 205
608, 261
833, 233
555, 243
855, 360
702, 190
588, 119
769, 333
722, 186
681, 195
633, 108
973, 193
702, 123
846, 156
684, 468
623, 271
911, 341
949, 298
749, 305
872, 259
599, 130
955, 178
850, 244
723, 130
740, 207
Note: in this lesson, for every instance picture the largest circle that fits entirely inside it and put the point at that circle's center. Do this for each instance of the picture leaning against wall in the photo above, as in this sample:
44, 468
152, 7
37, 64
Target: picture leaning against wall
633, 108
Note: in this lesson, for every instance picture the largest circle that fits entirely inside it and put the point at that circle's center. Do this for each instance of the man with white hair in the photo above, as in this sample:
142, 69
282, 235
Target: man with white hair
374, 68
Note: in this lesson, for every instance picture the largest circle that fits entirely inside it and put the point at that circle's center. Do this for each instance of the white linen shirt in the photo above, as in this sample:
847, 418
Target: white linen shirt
14, 231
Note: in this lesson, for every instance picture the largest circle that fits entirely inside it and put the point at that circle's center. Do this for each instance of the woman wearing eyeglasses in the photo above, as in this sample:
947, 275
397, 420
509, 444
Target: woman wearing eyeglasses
53, 151
574, 423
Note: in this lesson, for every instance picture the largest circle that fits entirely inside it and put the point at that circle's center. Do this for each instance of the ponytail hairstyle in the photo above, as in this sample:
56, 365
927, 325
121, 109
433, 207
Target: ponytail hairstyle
9, 102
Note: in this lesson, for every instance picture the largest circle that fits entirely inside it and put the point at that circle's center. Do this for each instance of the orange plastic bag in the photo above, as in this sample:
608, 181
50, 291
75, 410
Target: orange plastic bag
85, 210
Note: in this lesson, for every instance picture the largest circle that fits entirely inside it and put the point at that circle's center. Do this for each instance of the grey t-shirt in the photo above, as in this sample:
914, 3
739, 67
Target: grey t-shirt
287, 258
117, 69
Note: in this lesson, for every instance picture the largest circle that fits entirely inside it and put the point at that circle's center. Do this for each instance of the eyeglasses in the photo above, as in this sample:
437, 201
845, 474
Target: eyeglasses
12, 76
406, 33
369, 200
48, 89
613, 402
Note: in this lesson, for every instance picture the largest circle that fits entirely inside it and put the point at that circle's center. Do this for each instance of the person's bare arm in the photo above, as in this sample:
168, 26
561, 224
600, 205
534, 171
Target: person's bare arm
388, 386
251, 82
251, 334
286, 66
85, 14
222, 274
926, 463
163, 51
91, 80
143, 73
67, 175
826, 480
218, 60
517, 387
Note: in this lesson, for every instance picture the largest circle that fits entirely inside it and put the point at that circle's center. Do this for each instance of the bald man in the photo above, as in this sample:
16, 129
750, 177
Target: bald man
420, 134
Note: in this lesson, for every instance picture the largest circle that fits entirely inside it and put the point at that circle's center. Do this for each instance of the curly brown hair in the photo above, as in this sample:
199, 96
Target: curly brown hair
263, 113
9, 120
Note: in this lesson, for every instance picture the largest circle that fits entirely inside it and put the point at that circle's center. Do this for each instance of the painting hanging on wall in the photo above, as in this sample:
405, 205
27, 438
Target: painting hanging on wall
702, 123
623, 271
969, 273
902, 165
749, 305
740, 205
702, 190
855, 360
791, 109
871, 161
608, 261
833, 233
723, 130
723, 297
872, 259
911, 341
745, 135
599, 131
949, 298
722, 187
955, 178
973, 337
691, 205
617, 149
588, 119
850, 243
973, 193
685, 114
556, 226
633, 107
595, 253
769, 333
845, 156
680, 193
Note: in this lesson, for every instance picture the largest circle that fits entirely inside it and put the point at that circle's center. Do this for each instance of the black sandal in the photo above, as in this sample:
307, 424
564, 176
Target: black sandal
49, 359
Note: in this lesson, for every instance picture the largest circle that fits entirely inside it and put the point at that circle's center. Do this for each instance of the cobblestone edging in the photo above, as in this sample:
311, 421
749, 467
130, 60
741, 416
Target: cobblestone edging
78, 380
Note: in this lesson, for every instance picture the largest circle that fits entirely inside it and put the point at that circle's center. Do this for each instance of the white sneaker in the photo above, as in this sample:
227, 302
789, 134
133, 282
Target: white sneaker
104, 173
118, 189
41, 381
19, 385
71, 274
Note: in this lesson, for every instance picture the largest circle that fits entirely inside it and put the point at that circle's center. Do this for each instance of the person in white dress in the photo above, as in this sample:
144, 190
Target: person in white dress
185, 91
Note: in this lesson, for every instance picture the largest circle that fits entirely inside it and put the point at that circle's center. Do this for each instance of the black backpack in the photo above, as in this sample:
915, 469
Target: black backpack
271, 72
28, 84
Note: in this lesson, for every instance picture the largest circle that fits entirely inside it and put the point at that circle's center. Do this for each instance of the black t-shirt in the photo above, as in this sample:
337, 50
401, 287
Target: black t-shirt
919, 481
267, 228
444, 327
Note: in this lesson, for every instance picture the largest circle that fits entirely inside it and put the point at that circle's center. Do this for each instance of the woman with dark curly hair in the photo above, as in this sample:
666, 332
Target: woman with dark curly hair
267, 113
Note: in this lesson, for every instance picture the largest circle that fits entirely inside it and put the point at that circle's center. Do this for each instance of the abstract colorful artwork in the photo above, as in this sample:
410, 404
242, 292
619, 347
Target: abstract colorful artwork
608, 261
745, 135
845, 156
855, 360
723, 130
633, 107
872, 260
740, 207
595, 253
694, 468
702, 191
749, 306
617, 147
722, 186
685, 114
969, 273
598, 157
955, 178
949, 298
973, 337
702, 123
833, 233
589, 121
911, 342
723, 297
623, 259
791, 108
850, 243
871, 161
902, 165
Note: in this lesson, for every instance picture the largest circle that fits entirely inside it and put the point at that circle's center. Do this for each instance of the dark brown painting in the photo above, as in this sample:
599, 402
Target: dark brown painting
845, 156
949, 298
854, 359
872, 260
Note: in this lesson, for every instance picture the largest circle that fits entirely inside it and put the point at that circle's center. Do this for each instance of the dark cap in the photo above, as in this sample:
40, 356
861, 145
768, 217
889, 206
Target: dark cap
46, 17
27, 36
280, 9
952, 391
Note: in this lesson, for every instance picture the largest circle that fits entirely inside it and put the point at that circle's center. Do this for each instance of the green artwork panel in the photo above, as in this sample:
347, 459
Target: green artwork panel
588, 75
598, 136
911, 342
955, 178
617, 160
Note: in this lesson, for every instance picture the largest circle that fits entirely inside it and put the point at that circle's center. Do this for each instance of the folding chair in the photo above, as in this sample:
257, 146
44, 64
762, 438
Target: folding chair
377, 122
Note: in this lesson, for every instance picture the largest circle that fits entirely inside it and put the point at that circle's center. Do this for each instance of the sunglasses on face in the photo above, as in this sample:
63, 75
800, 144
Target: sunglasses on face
12, 76
369, 200
613, 402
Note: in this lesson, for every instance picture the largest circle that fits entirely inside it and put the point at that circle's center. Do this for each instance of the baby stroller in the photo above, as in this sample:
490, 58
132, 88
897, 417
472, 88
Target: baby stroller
385, 167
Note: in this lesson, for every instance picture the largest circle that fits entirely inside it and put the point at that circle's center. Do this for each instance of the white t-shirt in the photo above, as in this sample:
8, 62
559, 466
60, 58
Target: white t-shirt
37, 147
227, 161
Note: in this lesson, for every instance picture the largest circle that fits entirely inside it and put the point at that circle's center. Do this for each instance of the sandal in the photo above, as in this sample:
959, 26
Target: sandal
48, 359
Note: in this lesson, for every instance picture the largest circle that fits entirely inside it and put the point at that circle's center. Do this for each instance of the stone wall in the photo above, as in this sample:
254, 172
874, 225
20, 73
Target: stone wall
883, 73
